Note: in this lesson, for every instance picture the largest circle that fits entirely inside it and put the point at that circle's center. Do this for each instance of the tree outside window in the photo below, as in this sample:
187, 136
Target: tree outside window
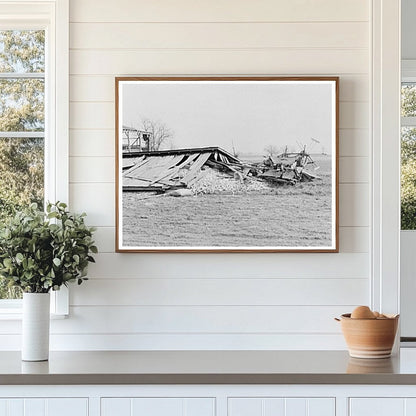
22, 124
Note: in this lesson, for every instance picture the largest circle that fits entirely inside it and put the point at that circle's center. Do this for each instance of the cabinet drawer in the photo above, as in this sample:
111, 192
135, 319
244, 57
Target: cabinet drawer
377, 406
160, 406
44, 407
280, 406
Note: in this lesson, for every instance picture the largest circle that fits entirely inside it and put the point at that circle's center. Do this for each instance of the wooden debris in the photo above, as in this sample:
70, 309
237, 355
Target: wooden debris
180, 169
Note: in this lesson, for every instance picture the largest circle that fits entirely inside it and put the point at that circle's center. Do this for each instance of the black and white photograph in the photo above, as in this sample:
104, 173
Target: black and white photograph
227, 164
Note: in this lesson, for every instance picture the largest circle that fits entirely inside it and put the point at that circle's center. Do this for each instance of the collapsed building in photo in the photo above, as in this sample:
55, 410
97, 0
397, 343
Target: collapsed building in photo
167, 170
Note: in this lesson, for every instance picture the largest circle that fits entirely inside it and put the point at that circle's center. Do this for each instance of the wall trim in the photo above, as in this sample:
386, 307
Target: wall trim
180, 341
385, 98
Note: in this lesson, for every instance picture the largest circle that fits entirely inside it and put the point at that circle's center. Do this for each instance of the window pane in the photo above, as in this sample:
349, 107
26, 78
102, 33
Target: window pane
22, 104
21, 110
408, 144
408, 178
21, 173
22, 51
408, 103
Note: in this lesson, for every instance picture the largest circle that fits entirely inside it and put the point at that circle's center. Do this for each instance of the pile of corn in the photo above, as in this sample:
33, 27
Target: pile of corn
215, 182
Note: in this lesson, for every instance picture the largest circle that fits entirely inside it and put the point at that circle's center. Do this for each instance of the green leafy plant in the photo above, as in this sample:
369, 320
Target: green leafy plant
43, 251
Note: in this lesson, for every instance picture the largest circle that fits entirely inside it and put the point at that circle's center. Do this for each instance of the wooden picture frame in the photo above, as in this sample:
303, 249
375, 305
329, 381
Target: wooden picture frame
227, 164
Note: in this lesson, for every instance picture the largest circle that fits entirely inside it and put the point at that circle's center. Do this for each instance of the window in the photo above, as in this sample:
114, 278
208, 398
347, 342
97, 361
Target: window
22, 124
33, 111
408, 153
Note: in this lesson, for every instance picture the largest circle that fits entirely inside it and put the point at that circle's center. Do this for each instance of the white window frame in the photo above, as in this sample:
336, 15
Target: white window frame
53, 17
385, 209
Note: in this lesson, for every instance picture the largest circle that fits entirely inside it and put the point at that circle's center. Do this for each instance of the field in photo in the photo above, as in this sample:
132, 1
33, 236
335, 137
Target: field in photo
276, 216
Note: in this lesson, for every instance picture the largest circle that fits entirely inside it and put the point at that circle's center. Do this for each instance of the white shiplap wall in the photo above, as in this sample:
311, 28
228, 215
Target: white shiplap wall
218, 301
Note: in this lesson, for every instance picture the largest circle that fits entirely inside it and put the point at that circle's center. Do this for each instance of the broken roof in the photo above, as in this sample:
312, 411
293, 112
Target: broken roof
165, 169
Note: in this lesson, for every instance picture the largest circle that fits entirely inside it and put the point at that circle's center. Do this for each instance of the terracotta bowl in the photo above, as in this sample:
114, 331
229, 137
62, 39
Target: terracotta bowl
369, 338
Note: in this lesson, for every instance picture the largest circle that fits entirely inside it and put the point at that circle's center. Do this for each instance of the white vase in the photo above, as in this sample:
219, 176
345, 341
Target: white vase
35, 326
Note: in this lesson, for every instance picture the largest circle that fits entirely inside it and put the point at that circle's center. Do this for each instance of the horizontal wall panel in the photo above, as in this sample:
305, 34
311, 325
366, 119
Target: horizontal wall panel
237, 62
354, 142
195, 319
354, 88
201, 319
220, 291
352, 115
92, 88
352, 239
231, 265
101, 88
146, 342
40, 12
354, 205
218, 36
105, 239
96, 199
81, 115
218, 11
191, 341
354, 169
93, 143
92, 169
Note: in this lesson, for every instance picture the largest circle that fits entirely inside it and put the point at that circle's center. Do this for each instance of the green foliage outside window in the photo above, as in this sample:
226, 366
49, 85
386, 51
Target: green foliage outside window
408, 160
21, 110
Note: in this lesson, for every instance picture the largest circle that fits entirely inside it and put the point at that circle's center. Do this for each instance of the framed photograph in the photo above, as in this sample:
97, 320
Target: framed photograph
227, 164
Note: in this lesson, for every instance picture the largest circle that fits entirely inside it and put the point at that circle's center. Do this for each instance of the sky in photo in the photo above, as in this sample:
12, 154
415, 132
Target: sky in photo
247, 115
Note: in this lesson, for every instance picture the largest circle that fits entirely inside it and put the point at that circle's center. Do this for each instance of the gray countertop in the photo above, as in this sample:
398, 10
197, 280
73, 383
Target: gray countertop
208, 367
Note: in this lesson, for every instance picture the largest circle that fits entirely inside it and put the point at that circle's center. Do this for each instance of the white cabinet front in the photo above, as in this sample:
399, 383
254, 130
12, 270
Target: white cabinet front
270, 406
382, 406
146, 406
44, 407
